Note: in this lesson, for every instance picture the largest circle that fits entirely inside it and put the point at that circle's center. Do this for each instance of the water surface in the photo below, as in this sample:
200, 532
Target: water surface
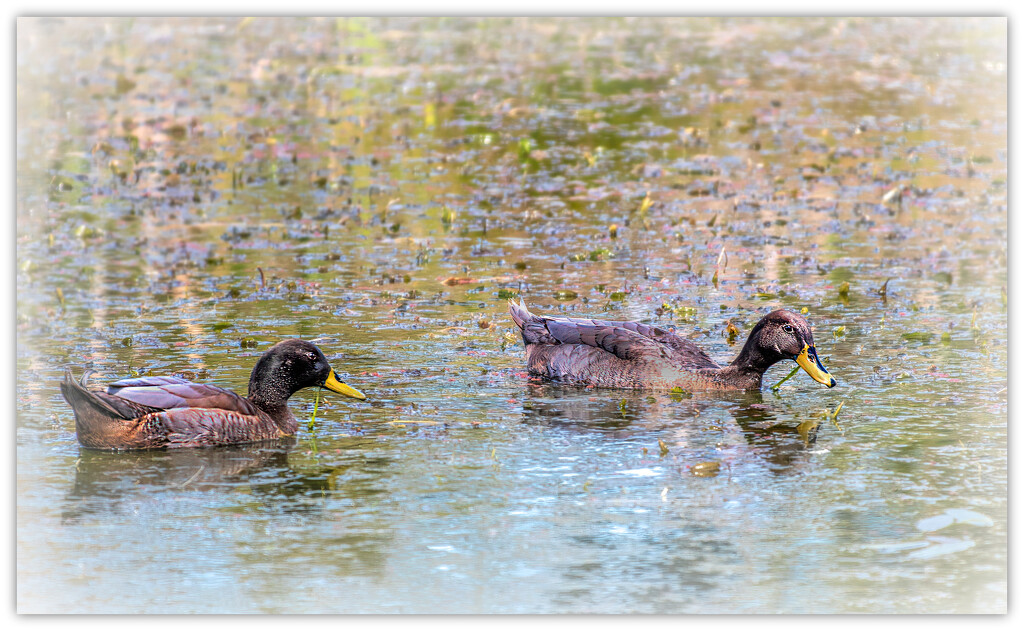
192, 191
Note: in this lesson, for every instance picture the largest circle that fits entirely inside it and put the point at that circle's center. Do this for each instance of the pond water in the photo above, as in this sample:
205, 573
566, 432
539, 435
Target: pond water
190, 191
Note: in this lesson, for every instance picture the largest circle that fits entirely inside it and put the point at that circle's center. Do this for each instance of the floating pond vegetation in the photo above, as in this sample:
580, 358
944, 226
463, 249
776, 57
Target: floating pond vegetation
707, 469
645, 205
678, 394
316, 405
778, 384
680, 312
448, 215
924, 337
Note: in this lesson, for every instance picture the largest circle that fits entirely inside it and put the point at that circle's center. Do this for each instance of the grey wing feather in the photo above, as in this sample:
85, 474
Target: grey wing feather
620, 341
564, 332
684, 352
167, 393
141, 382
626, 340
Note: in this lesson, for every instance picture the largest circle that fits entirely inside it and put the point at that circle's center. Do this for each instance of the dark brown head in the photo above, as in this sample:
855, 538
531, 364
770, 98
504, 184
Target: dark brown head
290, 366
783, 335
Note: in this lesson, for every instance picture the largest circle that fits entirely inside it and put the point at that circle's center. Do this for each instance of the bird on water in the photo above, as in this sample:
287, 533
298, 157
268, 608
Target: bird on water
170, 412
617, 354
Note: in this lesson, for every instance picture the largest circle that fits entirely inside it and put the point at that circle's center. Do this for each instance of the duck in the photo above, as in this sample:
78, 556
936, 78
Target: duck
171, 412
633, 355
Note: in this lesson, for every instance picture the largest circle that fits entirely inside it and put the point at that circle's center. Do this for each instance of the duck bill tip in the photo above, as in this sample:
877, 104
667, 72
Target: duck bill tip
336, 385
808, 360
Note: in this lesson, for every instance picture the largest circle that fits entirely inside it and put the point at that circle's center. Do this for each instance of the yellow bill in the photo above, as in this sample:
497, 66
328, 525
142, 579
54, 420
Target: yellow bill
808, 360
334, 385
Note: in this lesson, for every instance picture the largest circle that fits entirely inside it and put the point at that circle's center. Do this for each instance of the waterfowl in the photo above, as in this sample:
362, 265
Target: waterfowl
634, 355
169, 412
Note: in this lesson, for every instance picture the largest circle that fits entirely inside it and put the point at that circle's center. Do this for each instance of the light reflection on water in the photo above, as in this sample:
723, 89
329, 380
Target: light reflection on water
461, 485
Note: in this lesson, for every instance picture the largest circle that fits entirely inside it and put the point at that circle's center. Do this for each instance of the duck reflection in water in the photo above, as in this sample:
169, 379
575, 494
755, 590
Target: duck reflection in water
282, 486
683, 421
274, 472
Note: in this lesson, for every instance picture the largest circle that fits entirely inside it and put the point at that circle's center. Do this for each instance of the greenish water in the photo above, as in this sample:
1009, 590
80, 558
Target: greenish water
393, 181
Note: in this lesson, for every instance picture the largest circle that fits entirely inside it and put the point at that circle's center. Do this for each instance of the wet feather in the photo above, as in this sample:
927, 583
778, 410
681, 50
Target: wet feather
171, 412
634, 355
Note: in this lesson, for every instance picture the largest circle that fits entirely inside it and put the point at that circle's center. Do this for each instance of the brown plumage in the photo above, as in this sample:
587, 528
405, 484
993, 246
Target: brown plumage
158, 412
634, 355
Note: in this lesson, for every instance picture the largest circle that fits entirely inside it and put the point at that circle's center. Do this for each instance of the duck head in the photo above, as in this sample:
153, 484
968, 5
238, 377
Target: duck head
783, 335
290, 366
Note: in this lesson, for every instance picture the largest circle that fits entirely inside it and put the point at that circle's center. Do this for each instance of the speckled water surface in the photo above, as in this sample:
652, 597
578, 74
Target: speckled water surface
190, 191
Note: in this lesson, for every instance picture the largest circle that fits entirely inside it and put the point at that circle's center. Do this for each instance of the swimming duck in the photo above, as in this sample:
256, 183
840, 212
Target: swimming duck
634, 355
158, 412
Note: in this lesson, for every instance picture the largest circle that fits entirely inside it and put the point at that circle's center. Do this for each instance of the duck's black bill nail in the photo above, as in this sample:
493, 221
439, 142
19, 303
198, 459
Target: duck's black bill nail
334, 385
808, 360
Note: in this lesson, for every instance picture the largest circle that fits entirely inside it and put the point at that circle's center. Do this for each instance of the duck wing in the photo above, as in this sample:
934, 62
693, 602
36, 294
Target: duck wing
682, 351
631, 341
98, 405
166, 393
620, 341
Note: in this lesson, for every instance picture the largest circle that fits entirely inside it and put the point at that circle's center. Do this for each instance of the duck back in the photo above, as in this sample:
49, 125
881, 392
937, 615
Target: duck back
607, 353
155, 412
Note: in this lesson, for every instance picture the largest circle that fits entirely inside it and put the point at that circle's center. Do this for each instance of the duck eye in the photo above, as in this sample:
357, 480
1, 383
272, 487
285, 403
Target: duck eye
788, 328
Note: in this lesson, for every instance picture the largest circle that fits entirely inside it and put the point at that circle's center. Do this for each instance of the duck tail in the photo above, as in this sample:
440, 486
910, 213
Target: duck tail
534, 328
98, 423
520, 314
89, 407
